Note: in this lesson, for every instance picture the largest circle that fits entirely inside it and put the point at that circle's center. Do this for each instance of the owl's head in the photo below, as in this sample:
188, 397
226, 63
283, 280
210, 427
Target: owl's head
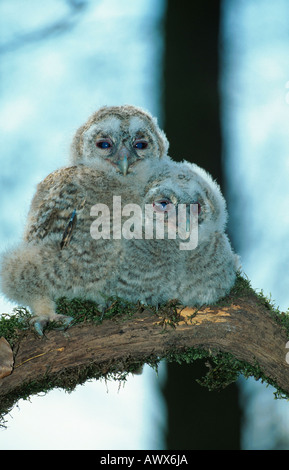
186, 183
118, 138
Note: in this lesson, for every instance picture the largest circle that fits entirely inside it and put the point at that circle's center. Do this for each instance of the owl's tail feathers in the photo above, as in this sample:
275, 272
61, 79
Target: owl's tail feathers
20, 274
23, 281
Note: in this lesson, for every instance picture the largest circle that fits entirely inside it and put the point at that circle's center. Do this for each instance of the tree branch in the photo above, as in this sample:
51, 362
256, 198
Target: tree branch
51, 30
242, 334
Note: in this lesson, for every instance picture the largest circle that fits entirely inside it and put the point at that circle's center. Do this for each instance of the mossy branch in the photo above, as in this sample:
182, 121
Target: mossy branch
242, 334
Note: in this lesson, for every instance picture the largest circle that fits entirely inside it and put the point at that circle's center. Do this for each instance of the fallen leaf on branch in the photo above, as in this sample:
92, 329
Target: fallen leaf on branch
6, 358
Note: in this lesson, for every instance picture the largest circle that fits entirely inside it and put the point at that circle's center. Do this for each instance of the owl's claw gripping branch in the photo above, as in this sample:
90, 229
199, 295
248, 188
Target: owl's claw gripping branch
39, 323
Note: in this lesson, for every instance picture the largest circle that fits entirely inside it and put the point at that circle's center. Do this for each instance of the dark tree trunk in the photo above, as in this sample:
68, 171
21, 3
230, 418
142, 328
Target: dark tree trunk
197, 419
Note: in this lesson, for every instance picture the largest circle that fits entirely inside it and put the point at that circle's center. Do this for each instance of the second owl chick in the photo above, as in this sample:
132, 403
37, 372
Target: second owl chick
157, 270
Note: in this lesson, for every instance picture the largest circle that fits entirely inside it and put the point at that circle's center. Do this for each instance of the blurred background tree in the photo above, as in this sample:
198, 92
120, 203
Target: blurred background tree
197, 418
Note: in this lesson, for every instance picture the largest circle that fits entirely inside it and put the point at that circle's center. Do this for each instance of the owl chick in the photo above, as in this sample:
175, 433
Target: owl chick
157, 270
59, 257
111, 155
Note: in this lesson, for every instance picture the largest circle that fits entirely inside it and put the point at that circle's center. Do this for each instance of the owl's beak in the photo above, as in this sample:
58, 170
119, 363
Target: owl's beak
123, 165
123, 160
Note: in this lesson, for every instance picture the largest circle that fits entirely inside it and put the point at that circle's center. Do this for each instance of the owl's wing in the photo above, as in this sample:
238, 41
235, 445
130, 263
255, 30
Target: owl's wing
54, 206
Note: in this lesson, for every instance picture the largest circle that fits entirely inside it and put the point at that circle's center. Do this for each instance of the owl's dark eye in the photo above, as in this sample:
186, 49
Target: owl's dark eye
140, 144
104, 144
163, 205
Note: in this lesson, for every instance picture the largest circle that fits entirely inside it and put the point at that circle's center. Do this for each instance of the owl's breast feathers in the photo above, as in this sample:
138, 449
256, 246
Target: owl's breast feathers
67, 234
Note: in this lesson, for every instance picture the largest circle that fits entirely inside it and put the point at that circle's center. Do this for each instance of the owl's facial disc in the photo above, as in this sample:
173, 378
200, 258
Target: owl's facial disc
121, 158
175, 217
124, 155
122, 143
128, 155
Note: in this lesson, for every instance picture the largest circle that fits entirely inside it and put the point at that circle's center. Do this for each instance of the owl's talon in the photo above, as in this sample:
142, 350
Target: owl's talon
41, 322
38, 326
66, 321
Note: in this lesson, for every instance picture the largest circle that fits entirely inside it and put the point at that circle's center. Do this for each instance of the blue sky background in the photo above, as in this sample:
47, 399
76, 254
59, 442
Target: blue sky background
255, 123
